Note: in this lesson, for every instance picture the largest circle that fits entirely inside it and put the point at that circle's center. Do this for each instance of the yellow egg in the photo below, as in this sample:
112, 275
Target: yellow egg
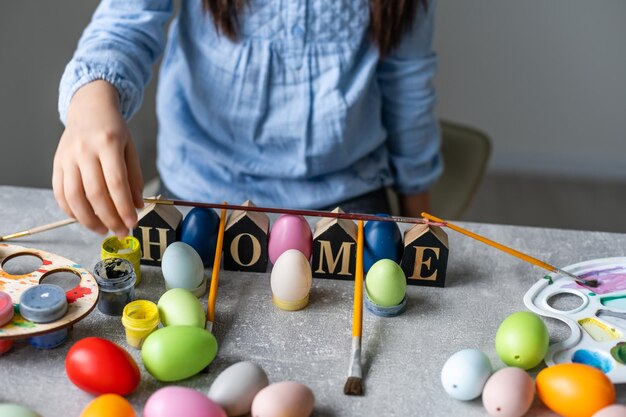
574, 389
108, 405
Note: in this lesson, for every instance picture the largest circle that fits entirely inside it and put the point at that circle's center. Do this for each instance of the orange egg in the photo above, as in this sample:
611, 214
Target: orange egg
108, 405
574, 389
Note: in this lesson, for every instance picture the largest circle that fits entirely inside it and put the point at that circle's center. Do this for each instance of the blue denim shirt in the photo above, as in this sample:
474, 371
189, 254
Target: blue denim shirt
300, 112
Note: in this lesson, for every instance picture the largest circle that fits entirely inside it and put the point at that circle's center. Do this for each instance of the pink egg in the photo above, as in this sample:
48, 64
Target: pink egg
290, 232
615, 410
509, 392
283, 399
179, 401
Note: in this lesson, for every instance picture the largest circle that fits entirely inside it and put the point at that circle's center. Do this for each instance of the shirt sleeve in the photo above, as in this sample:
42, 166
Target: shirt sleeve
405, 77
120, 45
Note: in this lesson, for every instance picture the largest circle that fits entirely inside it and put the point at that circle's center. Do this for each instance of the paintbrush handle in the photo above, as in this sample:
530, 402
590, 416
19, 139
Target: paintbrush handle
357, 319
497, 245
215, 274
38, 229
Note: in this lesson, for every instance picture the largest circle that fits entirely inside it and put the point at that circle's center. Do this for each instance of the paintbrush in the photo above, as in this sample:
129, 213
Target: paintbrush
588, 282
313, 213
210, 311
354, 384
38, 229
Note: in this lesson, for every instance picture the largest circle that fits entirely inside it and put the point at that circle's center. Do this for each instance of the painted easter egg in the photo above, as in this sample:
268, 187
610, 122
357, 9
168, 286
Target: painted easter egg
199, 230
177, 352
522, 340
180, 401
615, 410
99, 366
289, 232
16, 410
291, 280
385, 283
284, 399
181, 266
180, 307
465, 373
108, 405
509, 392
235, 388
381, 240
574, 389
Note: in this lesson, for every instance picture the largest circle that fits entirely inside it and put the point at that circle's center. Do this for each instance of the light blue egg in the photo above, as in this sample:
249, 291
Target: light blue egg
465, 373
182, 266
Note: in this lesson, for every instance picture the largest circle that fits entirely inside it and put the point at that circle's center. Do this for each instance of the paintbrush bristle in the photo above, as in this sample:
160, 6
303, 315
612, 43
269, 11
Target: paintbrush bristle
593, 283
354, 386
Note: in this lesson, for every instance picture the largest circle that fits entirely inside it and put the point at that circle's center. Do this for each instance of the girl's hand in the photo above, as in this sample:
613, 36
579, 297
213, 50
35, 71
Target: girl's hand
96, 175
412, 205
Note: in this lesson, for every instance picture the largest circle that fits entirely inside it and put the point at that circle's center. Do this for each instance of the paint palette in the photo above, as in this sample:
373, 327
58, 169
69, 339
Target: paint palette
595, 316
81, 289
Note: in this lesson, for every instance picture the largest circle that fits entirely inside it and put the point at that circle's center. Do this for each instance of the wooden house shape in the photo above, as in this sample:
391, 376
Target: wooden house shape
157, 227
246, 240
425, 257
334, 248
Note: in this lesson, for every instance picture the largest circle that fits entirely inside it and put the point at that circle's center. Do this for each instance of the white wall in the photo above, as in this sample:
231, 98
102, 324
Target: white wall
545, 78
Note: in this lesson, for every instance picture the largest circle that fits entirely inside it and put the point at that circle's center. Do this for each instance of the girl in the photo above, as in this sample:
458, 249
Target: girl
288, 103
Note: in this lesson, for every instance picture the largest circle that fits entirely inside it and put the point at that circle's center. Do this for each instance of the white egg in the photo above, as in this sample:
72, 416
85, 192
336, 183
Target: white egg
235, 388
182, 266
465, 373
291, 280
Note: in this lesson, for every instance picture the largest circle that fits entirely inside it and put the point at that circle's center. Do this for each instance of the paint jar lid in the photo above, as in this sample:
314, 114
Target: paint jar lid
6, 308
43, 303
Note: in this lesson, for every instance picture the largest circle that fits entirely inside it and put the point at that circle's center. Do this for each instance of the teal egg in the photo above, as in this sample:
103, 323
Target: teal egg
15, 410
174, 353
179, 307
385, 283
522, 340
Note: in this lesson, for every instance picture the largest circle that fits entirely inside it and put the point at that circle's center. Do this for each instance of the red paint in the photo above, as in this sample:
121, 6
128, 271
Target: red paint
99, 366
46, 262
76, 293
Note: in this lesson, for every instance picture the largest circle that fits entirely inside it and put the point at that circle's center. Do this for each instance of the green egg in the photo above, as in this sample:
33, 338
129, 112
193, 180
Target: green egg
522, 340
179, 307
15, 410
386, 283
177, 352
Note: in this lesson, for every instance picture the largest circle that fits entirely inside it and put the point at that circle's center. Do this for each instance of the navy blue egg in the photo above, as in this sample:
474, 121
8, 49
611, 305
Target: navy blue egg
199, 230
382, 240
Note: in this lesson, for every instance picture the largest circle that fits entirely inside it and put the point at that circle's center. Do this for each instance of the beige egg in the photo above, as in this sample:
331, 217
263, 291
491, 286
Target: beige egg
284, 399
291, 280
615, 410
509, 392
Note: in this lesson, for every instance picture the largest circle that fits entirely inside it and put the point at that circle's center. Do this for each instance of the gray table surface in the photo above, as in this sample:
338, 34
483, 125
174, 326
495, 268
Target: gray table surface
403, 356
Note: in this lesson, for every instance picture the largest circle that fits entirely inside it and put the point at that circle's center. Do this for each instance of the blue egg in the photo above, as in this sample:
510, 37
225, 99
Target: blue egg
199, 230
382, 240
465, 374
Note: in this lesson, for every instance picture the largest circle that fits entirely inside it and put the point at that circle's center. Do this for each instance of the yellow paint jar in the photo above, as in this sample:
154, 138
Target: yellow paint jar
140, 318
127, 248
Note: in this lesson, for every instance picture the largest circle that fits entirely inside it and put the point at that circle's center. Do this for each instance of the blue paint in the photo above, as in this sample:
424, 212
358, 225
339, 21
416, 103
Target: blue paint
592, 358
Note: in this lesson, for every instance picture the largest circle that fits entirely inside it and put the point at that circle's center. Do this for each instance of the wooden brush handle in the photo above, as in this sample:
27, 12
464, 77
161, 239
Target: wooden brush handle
357, 317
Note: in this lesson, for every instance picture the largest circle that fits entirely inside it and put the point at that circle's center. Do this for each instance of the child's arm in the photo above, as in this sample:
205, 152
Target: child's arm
96, 173
405, 78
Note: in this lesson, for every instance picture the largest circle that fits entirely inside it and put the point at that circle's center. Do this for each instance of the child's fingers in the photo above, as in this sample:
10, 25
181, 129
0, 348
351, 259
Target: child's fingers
98, 196
135, 178
116, 178
77, 201
57, 188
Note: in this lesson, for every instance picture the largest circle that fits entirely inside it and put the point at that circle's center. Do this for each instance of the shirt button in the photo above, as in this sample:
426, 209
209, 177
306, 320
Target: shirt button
297, 31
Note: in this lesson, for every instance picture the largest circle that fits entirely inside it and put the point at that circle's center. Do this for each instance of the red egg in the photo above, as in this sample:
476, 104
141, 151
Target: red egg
99, 366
